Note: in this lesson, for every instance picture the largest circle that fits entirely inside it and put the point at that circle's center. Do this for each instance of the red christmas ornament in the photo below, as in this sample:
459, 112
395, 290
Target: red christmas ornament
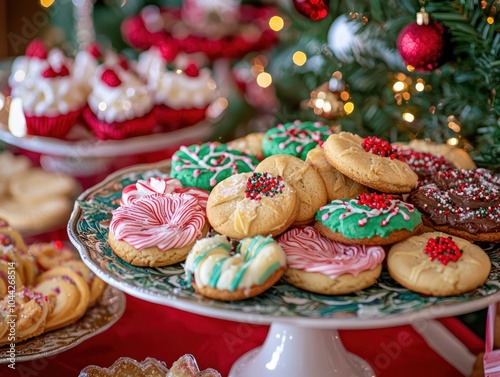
421, 46
314, 9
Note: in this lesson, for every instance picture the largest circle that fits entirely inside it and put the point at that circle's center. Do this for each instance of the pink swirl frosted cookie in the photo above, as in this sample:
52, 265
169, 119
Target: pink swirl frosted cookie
157, 230
320, 265
157, 185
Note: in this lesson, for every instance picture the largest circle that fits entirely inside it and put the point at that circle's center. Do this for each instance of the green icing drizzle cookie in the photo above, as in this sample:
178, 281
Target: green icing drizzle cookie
205, 165
294, 139
369, 215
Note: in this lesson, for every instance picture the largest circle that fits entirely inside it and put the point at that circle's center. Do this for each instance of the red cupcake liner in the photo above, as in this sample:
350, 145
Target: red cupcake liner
57, 126
119, 130
174, 119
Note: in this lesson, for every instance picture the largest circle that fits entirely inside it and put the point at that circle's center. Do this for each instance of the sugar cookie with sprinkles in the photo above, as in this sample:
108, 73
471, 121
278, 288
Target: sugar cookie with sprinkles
215, 272
438, 264
320, 265
370, 219
464, 203
205, 165
157, 230
295, 139
370, 161
252, 204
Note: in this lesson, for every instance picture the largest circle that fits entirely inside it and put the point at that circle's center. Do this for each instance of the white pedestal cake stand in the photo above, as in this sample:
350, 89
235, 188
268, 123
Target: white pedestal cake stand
303, 339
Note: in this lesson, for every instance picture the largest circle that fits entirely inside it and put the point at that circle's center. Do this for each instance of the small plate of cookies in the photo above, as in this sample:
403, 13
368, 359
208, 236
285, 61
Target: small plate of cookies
49, 300
303, 225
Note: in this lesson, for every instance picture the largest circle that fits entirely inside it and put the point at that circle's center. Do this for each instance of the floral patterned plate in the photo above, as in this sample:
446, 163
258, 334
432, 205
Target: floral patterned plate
103, 315
384, 304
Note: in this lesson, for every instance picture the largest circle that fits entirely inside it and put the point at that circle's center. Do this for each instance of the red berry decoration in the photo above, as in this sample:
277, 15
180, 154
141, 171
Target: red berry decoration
314, 9
123, 62
36, 49
421, 46
168, 52
110, 78
192, 70
379, 147
443, 249
375, 201
95, 51
5, 240
50, 72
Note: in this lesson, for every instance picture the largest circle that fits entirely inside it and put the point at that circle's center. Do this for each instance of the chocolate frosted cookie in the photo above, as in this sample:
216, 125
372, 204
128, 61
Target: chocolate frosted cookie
464, 203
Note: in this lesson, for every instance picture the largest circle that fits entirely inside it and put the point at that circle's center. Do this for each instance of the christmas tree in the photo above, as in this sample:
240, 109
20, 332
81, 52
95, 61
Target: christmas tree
444, 89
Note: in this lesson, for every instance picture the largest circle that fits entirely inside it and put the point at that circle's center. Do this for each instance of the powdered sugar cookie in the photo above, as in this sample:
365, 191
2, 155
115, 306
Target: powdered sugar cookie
438, 264
370, 161
370, 219
258, 263
205, 165
303, 178
252, 204
338, 185
320, 265
157, 230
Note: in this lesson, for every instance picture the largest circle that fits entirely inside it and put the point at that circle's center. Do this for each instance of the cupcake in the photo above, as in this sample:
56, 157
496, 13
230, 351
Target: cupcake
30, 65
52, 101
119, 106
182, 91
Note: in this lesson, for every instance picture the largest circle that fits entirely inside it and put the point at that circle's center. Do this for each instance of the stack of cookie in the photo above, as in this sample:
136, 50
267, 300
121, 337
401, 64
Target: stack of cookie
51, 286
31, 199
315, 206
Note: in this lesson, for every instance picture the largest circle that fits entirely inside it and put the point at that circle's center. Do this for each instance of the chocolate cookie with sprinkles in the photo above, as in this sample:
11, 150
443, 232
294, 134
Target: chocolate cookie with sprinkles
205, 165
464, 203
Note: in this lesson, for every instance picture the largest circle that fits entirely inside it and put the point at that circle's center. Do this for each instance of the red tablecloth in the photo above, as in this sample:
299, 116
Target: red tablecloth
164, 333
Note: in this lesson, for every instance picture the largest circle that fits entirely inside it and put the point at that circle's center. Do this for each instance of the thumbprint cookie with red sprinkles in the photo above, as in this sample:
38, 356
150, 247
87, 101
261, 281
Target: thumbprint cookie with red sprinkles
369, 219
371, 161
464, 203
438, 264
252, 204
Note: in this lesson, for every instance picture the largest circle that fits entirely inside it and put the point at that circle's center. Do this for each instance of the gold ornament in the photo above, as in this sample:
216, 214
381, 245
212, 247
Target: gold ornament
326, 103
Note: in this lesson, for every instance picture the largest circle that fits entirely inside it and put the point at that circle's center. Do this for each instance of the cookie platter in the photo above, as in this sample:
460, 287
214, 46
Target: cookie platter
384, 304
108, 310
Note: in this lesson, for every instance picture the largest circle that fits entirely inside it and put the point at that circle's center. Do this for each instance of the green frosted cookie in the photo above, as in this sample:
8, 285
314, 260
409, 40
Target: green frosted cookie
295, 139
205, 165
368, 216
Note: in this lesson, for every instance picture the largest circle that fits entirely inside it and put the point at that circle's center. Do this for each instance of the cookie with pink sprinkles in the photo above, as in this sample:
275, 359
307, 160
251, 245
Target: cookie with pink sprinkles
205, 165
318, 264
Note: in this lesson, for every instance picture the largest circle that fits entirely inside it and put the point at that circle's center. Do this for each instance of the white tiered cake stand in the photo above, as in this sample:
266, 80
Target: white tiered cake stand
303, 339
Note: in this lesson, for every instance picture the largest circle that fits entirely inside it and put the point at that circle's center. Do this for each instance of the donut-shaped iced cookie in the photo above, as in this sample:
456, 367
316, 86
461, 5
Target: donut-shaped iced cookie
294, 139
303, 178
438, 264
320, 265
157, 230
370, 161
205, 165
465, 203
338, 185
252, 204
370, 219
258, 263
157, 185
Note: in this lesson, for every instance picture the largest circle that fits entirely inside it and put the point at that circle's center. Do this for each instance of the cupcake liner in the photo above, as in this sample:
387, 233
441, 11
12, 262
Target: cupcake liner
57, 126
119, 130
174, 119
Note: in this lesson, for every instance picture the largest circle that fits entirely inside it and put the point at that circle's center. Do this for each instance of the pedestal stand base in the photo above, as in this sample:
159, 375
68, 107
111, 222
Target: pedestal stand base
300, 351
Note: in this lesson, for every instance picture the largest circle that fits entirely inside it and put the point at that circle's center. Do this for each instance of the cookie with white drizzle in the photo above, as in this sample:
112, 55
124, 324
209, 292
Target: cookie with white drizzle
370, 219
205, 165
295, 139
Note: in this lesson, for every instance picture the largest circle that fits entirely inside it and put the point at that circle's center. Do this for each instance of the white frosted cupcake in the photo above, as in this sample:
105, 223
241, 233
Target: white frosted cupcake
52, 100
119, 106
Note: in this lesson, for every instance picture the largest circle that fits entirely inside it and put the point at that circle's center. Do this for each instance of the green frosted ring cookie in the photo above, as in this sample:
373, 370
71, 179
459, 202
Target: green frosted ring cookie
294, 139
370, 219
205, 165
